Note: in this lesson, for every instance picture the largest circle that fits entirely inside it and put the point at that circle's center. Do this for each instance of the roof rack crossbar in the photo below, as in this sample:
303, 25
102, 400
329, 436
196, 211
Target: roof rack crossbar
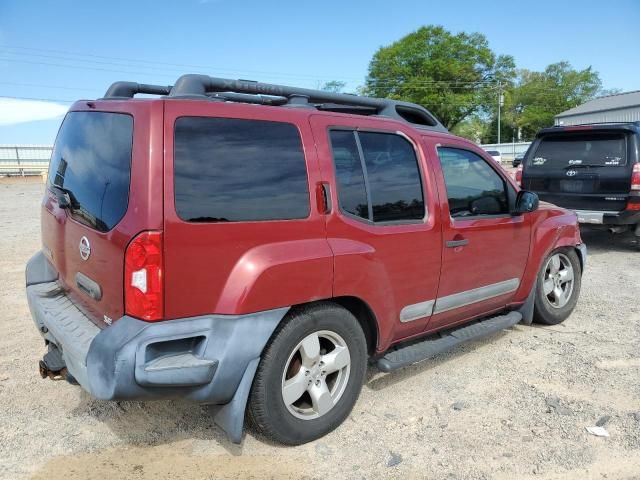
247, 98
129, 89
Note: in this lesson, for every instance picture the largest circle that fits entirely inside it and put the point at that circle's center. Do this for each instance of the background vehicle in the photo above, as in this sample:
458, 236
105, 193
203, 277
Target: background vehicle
496, 155
591, 169
517, 160
227, 251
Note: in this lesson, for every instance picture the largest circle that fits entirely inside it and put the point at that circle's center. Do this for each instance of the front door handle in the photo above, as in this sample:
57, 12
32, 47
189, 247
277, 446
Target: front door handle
457, 243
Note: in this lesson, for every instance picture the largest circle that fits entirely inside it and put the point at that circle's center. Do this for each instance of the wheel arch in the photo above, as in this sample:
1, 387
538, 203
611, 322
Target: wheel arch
365, 316
359, 309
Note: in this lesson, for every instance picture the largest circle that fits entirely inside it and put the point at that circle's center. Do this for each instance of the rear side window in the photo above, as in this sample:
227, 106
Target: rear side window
394, 178
91, 163
348, 165
234, 170
378, 176
473, 187
589, 150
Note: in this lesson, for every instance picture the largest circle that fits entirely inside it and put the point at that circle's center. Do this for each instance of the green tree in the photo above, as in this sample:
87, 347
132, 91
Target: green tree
453, 75
334, 86
472, 128
536, 97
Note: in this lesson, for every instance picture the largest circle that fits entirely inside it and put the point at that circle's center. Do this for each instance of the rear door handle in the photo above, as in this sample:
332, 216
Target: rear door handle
457, 243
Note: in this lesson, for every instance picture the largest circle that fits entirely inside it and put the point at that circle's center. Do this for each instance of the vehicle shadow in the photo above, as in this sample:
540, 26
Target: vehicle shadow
599, 241
152, 423
377, 380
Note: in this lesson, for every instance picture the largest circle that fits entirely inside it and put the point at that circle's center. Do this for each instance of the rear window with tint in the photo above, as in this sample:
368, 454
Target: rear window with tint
233, 170
382, 185
91, 163
592, 149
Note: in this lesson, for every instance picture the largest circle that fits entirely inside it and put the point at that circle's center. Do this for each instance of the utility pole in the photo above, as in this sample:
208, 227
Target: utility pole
500, 104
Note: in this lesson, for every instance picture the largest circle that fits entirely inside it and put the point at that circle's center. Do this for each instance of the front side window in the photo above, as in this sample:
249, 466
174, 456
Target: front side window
473, 187
378, 176
234, 170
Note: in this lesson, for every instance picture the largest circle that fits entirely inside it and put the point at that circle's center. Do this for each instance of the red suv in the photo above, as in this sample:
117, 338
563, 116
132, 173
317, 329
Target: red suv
252, 246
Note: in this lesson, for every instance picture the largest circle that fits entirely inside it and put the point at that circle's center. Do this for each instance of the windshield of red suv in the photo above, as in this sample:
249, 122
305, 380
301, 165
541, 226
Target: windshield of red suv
580, 150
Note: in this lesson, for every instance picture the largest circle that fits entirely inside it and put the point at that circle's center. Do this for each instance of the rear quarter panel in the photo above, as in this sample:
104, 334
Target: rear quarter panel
243, 267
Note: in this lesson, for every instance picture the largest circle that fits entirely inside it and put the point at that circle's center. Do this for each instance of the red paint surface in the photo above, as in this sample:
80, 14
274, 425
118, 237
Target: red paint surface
236, 268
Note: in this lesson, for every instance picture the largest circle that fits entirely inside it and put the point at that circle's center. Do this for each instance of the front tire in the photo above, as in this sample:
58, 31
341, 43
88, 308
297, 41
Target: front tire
310, 375
558, 287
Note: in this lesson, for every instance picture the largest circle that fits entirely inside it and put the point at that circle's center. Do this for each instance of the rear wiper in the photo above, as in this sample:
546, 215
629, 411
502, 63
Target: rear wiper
64, 196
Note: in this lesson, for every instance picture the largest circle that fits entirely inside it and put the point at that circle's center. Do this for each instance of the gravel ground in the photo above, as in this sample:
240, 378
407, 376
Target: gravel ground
515, 405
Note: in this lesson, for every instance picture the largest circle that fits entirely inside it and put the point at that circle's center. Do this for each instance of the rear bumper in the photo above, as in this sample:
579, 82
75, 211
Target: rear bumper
595, 217
200, 358
203, 358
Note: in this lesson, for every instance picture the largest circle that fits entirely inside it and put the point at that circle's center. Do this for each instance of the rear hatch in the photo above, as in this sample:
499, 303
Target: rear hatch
581, 169
89, 215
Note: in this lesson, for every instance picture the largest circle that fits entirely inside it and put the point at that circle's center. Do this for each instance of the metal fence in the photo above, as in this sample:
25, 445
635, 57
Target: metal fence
508, 150
24, 159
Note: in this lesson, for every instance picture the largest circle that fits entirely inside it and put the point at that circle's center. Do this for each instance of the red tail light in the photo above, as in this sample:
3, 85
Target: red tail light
519, 176
143, 277
635, 177
634, 198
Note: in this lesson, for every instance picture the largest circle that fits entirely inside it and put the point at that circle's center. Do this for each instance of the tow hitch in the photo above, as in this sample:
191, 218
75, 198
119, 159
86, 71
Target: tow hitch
52, 366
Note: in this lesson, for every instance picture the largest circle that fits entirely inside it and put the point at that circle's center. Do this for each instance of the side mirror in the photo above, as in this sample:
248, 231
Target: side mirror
526, 202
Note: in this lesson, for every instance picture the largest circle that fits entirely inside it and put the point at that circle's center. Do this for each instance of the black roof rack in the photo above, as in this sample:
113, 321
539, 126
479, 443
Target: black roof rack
129, 89
249, 91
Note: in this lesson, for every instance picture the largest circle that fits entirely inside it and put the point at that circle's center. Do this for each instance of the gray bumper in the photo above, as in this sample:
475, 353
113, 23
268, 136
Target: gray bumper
204, 358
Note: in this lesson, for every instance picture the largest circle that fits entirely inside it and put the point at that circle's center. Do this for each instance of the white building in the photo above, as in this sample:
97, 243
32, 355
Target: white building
622, 107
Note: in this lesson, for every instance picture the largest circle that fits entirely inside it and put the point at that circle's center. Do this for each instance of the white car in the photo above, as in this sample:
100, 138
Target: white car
495, 154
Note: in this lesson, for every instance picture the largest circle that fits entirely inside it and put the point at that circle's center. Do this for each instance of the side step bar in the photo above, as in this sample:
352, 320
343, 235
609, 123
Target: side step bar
430, 347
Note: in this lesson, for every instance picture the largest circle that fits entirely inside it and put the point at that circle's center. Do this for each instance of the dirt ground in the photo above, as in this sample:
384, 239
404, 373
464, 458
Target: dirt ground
515, 405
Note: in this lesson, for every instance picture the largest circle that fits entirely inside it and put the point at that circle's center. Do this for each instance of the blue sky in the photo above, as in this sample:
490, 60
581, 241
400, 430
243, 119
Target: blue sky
64, 50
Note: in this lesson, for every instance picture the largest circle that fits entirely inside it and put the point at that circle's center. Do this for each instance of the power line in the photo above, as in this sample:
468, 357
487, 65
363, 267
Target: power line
36, 85
153, 64
181, 66
38, 99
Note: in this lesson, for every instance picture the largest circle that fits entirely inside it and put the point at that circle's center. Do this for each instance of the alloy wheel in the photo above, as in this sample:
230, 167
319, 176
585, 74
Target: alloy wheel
558, 280
316, 375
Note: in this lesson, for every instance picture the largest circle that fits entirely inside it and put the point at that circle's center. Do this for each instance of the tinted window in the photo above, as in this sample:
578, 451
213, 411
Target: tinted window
238, 170
91, 162
473, 187
593, 149
351, 187
393, 177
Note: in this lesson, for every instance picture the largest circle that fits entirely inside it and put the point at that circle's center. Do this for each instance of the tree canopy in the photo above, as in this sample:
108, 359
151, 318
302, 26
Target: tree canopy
453, 75
459, 78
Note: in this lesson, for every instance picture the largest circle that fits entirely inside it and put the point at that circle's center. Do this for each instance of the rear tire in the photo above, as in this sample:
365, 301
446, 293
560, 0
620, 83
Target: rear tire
310, 375
558, 287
